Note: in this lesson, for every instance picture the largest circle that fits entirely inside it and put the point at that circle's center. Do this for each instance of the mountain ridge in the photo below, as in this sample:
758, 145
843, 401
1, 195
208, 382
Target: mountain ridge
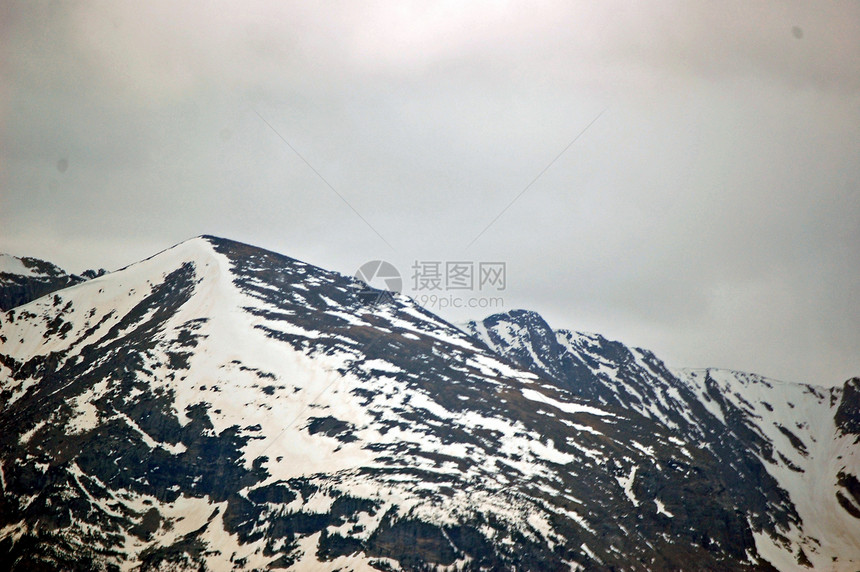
702, 404
222, 406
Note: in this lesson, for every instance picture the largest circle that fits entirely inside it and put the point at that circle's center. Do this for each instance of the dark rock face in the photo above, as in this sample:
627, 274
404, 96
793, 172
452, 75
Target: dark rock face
222, 406
848, 414
848, 423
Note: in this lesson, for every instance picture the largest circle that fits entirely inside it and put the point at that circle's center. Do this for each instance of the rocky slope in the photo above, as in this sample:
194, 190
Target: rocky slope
788, 452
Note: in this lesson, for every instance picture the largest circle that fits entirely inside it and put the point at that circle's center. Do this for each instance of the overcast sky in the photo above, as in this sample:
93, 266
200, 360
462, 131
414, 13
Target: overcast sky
710, 213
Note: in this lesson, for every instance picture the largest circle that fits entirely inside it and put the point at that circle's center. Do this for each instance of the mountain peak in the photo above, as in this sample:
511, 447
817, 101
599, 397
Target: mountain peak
528, 318
25, 279
30, 267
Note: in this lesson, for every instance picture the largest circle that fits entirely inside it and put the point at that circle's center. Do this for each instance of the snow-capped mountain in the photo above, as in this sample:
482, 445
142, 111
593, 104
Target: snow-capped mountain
788, 452
25, 279
222, 407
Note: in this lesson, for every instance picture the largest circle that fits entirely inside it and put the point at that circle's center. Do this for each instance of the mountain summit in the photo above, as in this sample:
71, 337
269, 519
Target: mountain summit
222, 407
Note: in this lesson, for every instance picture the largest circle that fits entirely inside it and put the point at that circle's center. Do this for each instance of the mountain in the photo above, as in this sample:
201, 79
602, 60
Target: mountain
787, 451
807, 437
25, 279
223, 407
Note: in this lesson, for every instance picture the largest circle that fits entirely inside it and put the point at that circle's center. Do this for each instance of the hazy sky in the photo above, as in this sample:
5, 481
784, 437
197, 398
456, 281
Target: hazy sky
711, 213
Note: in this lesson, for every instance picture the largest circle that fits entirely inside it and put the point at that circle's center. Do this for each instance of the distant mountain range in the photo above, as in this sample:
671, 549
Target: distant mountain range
25, 279
222, 407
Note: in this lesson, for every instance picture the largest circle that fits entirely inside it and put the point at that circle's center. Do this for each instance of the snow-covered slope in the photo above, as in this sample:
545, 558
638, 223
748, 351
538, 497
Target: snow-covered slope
788, 451
223, 407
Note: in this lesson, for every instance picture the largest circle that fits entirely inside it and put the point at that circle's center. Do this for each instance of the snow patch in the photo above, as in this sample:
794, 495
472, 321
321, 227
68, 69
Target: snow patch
533, 395
627, 484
